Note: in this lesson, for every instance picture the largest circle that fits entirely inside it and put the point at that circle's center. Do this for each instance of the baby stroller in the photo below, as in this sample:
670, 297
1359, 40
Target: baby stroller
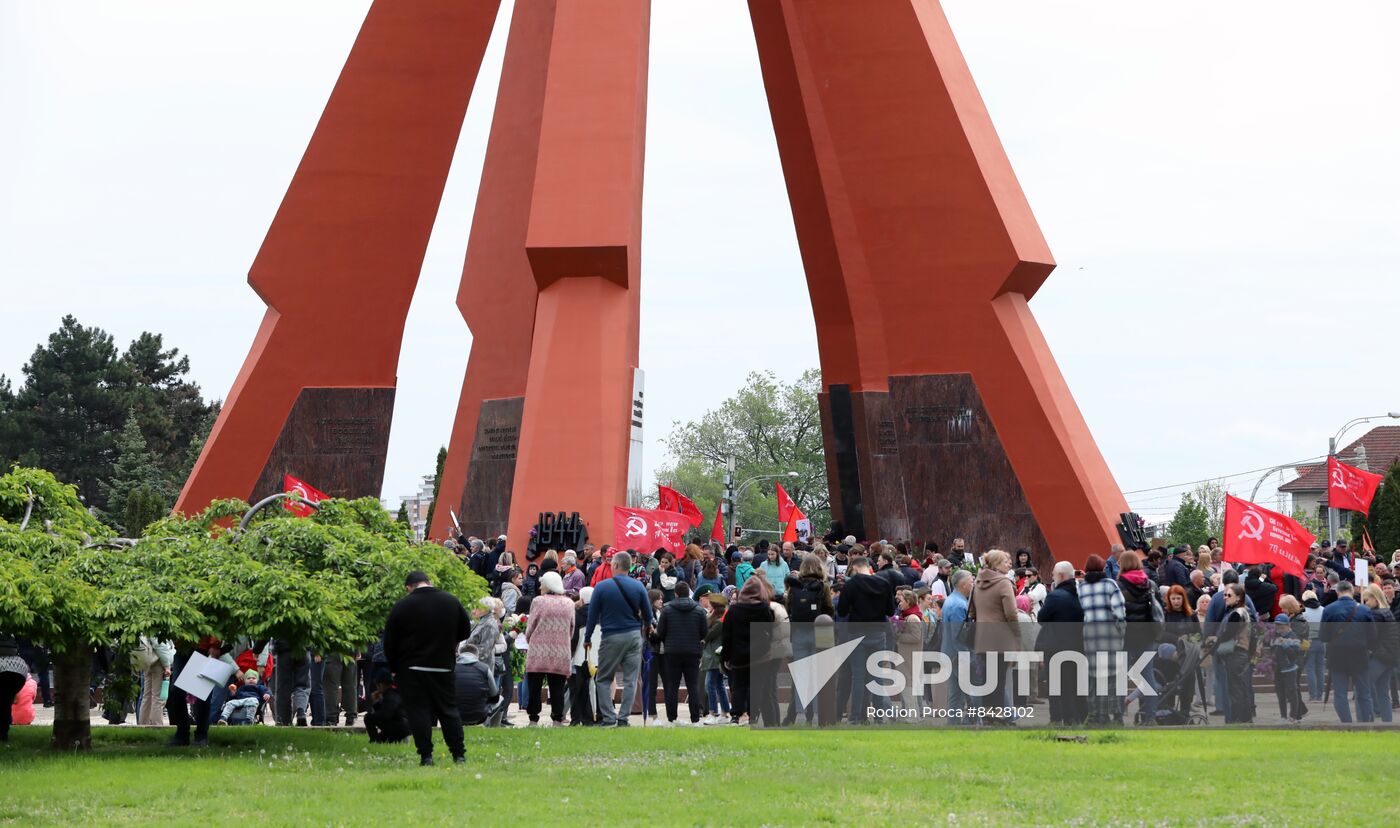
1179, 678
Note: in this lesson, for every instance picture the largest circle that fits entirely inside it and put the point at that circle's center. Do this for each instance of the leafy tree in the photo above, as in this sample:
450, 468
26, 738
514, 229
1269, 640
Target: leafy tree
326, 581
767, 428
1191, 523
437, 482
1211, 496
1311, 522
1387, 513
135, 470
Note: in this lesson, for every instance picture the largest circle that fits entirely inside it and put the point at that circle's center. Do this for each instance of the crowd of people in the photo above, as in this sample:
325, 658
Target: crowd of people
596, 632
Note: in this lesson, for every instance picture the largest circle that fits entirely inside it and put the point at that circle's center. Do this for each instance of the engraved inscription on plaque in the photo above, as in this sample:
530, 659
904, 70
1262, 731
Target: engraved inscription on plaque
347, 435
943, 423
886, 439
498, 443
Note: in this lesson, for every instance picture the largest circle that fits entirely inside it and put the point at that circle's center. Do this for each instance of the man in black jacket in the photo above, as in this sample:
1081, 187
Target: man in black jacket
867, 600
420, 644
1174, 571
1261, 591
478, 700
1062, 629
681, 631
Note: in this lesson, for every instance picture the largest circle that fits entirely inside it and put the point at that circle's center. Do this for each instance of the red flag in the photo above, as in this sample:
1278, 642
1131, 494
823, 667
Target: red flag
670, 500
647, 530
790, 532
717, 531
785, 505
309, 493
1255, 535
1350, 488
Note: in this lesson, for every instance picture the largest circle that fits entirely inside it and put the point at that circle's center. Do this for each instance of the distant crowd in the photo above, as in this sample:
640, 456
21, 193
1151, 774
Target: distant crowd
595, 633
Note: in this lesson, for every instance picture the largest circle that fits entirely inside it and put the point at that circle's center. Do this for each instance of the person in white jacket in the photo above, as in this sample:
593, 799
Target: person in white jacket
153, 658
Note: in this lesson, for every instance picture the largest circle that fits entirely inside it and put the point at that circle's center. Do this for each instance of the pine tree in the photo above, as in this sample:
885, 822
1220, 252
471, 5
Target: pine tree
437, 484
77, 396
403, 513
65, 417
135, 477
150, 381
144, 506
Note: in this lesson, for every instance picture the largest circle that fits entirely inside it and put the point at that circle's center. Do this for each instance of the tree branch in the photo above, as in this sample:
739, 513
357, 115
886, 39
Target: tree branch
28, 509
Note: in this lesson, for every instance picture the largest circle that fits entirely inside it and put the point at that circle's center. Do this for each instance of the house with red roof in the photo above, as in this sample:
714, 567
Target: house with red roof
1375, 451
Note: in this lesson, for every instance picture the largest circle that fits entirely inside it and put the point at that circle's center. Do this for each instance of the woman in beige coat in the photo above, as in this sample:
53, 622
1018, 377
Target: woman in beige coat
993, 606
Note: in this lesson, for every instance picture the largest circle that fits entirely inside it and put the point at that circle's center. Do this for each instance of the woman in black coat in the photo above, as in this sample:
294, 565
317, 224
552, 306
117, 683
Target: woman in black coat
738, 641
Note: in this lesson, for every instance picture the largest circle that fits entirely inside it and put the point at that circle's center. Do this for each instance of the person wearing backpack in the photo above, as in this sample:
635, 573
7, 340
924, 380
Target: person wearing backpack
1143, 610
807, 598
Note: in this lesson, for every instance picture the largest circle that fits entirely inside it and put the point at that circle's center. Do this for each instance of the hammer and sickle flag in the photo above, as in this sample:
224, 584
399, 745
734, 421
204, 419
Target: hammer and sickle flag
647, 530
1255, 535
306, 491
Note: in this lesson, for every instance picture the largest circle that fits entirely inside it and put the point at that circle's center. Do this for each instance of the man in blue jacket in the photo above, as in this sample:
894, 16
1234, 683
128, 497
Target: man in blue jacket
621, 609
954, 616
1349, 632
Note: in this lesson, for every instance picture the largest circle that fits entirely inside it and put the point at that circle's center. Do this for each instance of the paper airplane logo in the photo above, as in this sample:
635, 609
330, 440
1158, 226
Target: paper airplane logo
810, 674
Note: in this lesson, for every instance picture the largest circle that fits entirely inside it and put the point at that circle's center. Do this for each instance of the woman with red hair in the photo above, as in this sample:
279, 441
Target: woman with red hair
1179, 615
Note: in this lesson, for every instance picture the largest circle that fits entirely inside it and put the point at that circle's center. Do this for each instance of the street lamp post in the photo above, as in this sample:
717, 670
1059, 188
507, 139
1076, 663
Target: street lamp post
739, 492
1332, 453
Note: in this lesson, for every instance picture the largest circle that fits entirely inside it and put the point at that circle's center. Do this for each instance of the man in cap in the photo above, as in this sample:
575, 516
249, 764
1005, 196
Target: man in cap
1174, 570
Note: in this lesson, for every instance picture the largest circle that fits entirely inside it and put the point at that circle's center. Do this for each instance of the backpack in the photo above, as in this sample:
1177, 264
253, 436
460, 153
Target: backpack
804, 602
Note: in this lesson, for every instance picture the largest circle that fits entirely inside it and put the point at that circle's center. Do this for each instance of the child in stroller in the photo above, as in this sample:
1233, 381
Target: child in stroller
246, 700
1178, 672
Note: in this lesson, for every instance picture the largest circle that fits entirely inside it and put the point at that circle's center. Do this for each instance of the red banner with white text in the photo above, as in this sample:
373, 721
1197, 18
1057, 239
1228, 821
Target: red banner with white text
1255, 535
647, 530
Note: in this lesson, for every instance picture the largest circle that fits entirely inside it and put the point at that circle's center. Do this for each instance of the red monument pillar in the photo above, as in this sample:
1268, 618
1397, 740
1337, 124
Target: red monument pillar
338, 267
498, 292
584, 246
944, 412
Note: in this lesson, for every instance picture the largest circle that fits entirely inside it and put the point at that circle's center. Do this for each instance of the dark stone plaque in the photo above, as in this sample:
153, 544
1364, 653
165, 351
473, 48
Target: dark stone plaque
336, 439
923, 462
485, 507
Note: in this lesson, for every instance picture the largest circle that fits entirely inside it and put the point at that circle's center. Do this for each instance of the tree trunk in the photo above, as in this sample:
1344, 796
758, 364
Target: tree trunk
72, 723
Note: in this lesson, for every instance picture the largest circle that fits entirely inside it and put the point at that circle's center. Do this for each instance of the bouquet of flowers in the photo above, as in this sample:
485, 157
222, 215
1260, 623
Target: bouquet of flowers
513, 628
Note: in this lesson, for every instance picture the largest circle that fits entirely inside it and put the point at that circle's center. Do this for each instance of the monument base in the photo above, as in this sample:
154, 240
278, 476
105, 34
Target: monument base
336, 439
923, 462
484, 510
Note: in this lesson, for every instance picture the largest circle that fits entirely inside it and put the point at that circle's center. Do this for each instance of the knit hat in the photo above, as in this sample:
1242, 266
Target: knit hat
552, 583
1023, 603
251, 674
1281, 618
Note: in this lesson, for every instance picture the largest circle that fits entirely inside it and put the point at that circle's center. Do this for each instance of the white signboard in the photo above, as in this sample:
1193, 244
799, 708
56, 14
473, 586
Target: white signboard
202, 674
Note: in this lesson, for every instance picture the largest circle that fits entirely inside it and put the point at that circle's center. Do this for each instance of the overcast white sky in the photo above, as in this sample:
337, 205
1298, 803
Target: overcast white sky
1218, 182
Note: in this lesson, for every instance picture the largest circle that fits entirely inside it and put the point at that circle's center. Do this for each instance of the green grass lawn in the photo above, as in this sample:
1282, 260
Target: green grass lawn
718, 776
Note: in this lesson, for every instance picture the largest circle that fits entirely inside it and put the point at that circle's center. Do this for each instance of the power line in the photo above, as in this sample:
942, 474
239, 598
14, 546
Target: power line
1228, 476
